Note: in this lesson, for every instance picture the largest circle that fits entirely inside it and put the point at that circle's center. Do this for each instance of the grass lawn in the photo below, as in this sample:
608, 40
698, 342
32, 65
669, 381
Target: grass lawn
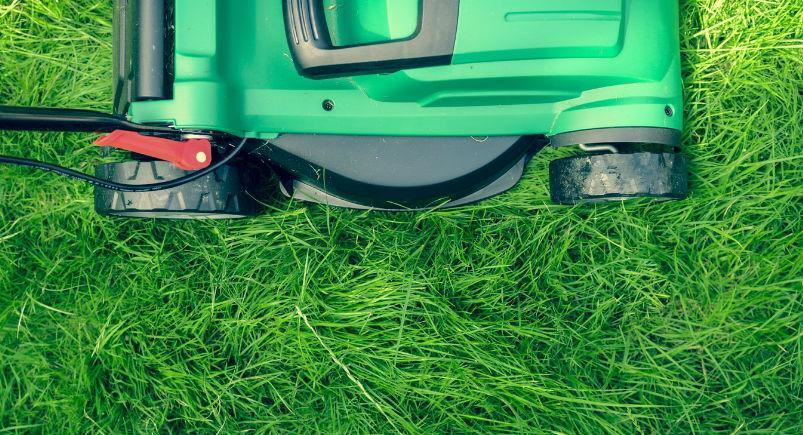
509, 316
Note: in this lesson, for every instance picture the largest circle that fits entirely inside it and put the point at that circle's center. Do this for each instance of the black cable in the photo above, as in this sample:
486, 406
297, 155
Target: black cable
66, 172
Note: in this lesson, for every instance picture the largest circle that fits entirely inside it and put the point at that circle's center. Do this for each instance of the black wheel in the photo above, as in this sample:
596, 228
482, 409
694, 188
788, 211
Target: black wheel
222, 195
616, 177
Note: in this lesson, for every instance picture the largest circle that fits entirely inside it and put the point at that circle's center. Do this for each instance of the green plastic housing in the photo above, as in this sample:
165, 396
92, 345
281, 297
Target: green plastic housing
520, 67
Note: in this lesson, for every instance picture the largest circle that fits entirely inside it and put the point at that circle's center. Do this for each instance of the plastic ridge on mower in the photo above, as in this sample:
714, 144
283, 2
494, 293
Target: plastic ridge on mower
394, 105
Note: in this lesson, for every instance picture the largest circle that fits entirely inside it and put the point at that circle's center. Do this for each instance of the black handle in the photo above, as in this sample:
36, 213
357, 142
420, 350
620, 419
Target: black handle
316, 56
69, 120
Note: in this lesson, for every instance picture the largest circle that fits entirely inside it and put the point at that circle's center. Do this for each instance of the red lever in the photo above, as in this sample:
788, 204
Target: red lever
190, 155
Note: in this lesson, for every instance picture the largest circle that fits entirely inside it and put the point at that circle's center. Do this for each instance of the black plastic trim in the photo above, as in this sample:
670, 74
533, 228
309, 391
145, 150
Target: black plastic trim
398, 172
305, 192
144, 46
151, 76
650, 135
122, 48
316, 56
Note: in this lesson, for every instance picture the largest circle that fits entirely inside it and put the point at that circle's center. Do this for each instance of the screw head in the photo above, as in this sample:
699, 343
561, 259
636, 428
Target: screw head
328, 105
669, 111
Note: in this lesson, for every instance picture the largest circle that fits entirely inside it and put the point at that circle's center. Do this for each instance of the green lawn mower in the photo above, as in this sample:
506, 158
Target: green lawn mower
380, 104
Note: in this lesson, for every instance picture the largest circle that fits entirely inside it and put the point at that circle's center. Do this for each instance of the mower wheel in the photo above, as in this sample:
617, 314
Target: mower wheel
617, 177
222, 195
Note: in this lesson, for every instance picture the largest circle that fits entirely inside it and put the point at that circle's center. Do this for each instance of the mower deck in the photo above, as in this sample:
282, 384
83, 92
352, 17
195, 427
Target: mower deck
399, 105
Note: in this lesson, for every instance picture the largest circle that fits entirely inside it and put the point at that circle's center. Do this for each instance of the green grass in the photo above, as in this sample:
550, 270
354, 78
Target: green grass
510, 316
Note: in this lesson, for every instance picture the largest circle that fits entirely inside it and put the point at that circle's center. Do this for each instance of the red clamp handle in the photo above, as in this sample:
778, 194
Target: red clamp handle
191, 155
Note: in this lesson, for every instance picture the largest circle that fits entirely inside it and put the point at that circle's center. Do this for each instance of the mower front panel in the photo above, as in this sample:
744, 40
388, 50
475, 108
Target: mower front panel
519, 68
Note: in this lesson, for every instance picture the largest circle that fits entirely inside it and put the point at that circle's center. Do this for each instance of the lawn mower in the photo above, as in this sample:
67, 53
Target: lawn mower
380, 104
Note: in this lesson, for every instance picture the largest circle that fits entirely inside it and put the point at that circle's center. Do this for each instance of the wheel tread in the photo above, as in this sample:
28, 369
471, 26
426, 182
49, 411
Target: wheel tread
220, 193
609, 177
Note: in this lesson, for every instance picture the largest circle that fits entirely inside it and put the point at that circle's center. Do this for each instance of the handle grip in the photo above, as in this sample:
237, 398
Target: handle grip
316, 57
68, 120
